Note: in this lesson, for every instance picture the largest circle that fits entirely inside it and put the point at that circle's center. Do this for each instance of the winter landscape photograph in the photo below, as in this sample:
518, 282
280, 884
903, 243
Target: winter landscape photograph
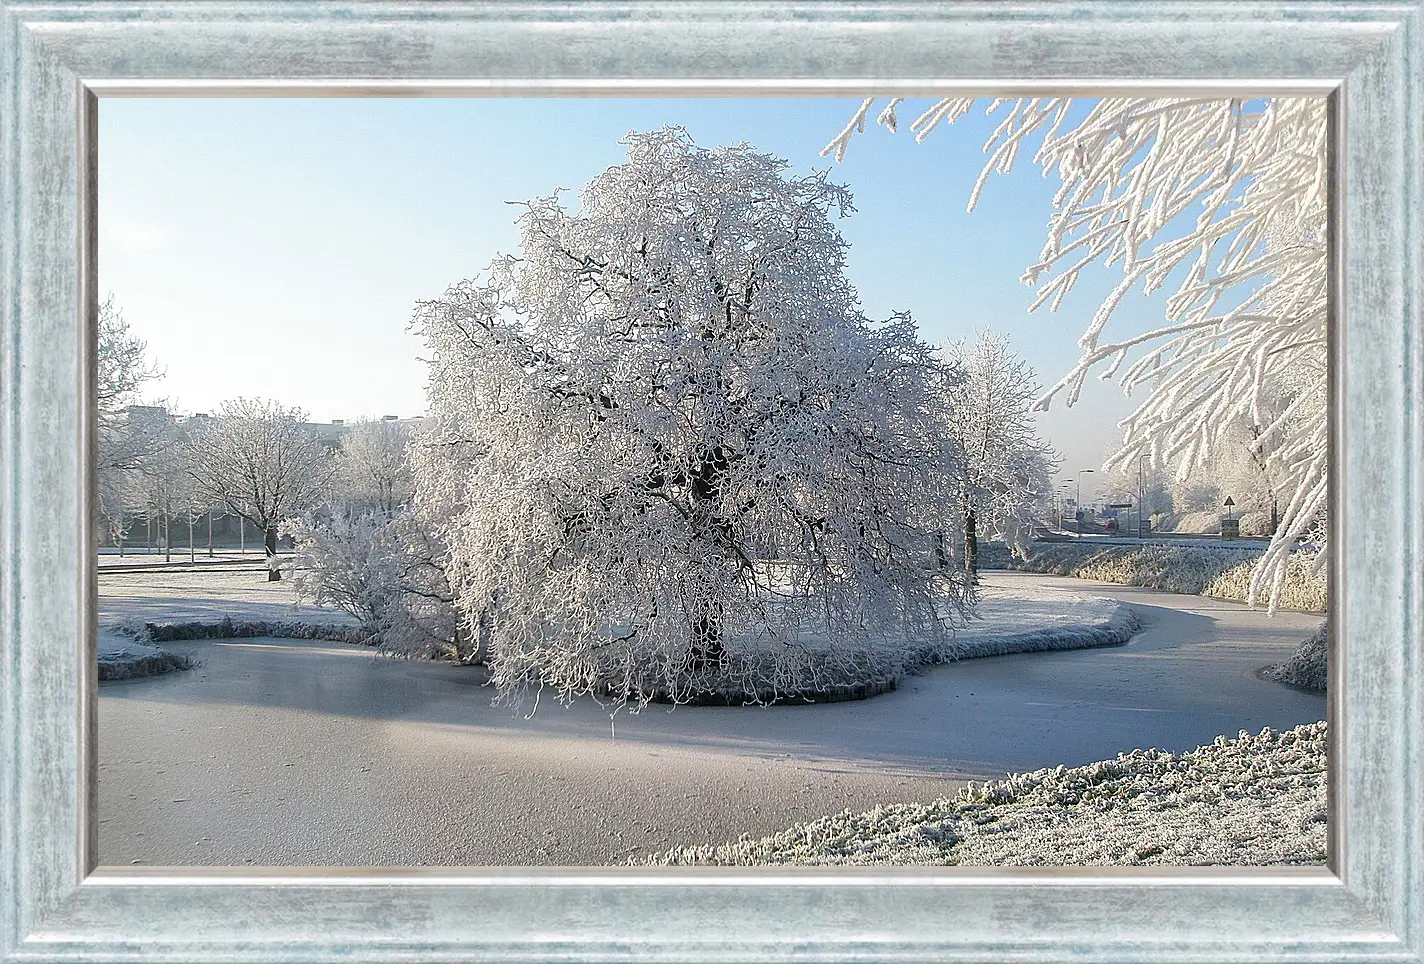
743, 481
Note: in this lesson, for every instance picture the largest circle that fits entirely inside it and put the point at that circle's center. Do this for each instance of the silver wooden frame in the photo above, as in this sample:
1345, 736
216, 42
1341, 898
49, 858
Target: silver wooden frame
58, 57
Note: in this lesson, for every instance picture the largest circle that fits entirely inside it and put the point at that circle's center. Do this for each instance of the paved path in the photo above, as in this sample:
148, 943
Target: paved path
300, 753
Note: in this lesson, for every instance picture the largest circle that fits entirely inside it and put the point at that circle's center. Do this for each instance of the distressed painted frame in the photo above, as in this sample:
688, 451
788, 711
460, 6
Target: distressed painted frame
57, 58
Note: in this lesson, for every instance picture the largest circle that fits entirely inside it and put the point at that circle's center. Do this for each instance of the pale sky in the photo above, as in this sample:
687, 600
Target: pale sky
277, 247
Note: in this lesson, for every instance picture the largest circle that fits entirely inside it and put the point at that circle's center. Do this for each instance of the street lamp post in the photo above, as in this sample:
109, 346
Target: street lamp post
1140, 495
1079, 503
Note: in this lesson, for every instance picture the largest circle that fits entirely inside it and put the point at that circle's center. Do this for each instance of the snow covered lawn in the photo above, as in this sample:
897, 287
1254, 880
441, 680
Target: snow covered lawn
1218, 571
1253, 800
173, 596
1029, 619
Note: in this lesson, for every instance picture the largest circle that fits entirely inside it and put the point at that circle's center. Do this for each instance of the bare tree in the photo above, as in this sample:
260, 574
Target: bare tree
122, 366
260, 461
372, 466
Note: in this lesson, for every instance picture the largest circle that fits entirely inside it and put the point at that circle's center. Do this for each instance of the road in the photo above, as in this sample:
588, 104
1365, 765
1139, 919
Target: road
286, 752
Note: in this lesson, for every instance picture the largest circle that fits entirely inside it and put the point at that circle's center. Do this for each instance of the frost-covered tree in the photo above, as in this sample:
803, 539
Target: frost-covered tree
372, 467
671, 447
124, 438
123, 370
1005, 481
259, 460
386, 570
1226, 197
161, 481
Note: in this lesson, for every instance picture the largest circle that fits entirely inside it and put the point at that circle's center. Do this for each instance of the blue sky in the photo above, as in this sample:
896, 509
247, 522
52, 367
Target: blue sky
276, 247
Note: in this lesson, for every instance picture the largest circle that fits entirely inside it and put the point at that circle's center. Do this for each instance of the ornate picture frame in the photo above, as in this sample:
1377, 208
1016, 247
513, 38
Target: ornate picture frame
60, 58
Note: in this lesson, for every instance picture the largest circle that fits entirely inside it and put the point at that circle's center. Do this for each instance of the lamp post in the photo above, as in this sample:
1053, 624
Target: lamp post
1140, 495
1079, 502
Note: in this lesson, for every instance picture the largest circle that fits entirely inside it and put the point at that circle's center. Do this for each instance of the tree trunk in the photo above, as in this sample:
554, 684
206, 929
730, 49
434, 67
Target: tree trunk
972, 546
708, 648
270, 545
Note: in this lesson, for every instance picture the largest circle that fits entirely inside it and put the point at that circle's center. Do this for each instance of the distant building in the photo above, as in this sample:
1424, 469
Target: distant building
330, 433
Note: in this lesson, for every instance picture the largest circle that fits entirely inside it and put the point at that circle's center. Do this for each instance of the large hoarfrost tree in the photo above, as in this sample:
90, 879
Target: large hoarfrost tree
259, 460
1007, 467
1224, 197
670, 445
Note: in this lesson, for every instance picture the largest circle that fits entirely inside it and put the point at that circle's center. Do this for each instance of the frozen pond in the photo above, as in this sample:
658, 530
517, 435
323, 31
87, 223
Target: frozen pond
293, 752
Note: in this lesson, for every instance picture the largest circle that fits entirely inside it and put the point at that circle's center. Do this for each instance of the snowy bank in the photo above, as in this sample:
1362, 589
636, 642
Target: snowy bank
1222, 572
1006, 621
1307, 667
1252, 800
163, 606
1034, 620
123, 657
138, 609
169, 596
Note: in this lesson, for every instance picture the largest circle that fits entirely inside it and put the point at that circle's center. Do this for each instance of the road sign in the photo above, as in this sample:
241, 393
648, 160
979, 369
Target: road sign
1120, 505
1229, 501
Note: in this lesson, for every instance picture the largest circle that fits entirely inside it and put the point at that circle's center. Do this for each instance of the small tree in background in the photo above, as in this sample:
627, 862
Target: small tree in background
123, 370
671, 445
372, 465
124, 440
1005, 481
161, 480
259, 460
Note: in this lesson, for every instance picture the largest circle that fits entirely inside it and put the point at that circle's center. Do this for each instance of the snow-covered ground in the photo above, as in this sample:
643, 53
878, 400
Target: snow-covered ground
175, 595
128, 600
1252, 800
110, 559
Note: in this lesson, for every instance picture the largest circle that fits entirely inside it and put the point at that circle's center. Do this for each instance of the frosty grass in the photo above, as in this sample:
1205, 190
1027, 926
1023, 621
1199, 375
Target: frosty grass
1252, 800
1222, 572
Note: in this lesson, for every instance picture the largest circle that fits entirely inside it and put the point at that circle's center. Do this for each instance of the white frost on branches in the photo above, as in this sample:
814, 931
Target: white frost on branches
1005, 485
1224, 196
386, 570
372, 466
258, 459
666, 445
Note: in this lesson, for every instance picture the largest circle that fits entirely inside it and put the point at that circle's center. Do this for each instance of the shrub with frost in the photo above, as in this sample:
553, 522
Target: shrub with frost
388, 571
671, 450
